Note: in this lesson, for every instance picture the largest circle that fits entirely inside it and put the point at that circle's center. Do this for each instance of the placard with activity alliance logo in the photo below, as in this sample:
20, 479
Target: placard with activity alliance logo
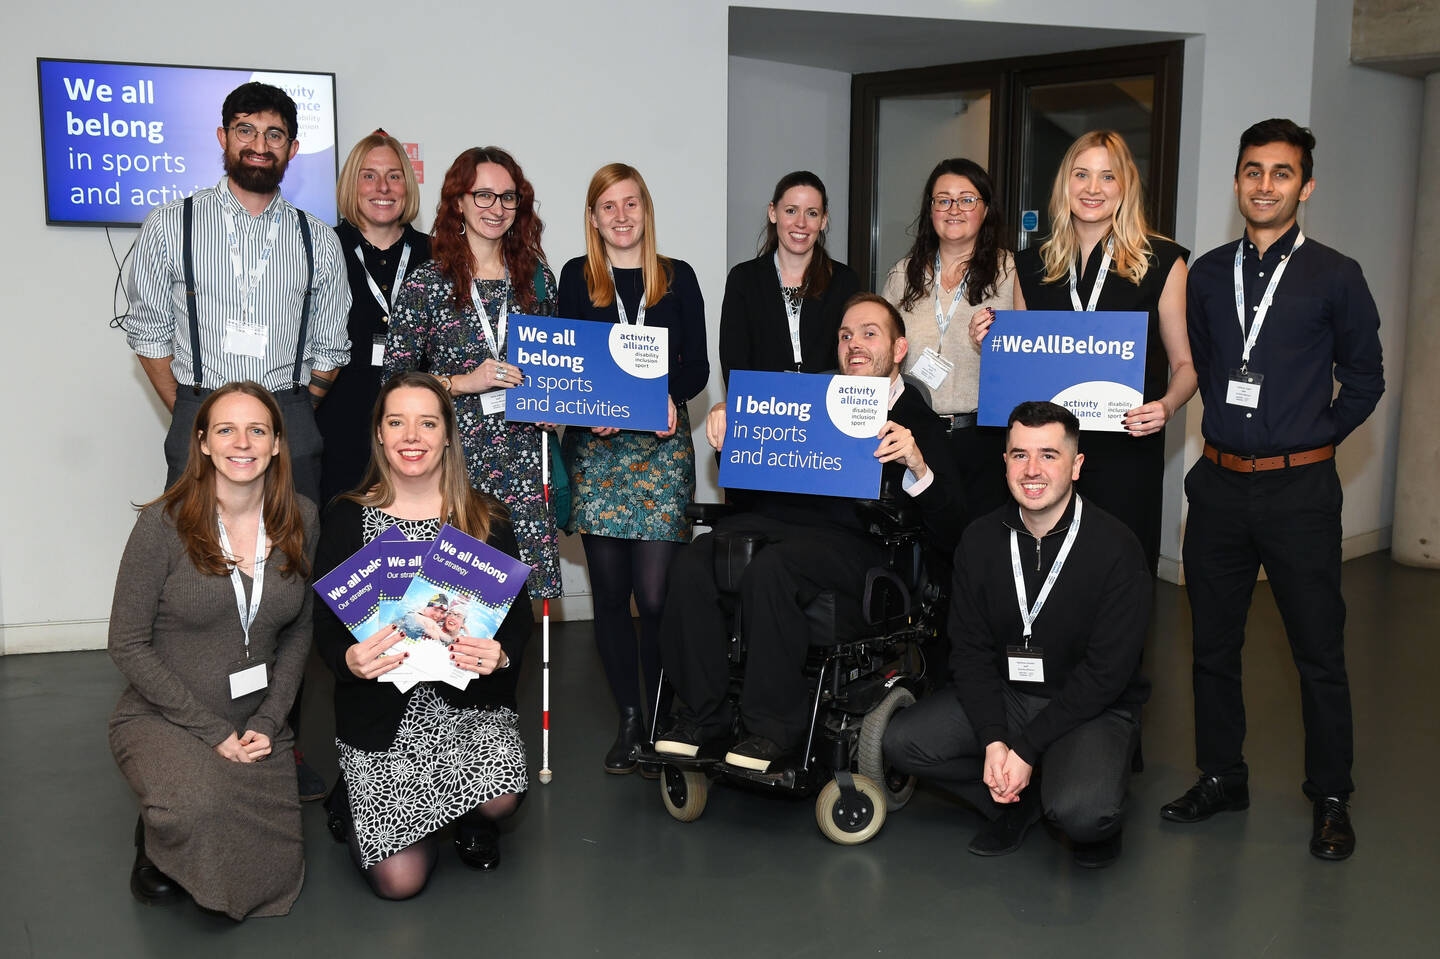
1093, 364
804, 433
584, 373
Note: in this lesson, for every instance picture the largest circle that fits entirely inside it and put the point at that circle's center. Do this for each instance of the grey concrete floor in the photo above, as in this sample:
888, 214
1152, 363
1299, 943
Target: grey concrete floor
595, 867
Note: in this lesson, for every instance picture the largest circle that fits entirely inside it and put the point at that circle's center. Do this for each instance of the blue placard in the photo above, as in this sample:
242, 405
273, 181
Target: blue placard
584, 373
1030, 221
804, 433
1093, 364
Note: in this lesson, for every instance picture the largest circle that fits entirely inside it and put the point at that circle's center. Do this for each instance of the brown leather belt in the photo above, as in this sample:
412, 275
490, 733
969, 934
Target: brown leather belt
1261, 464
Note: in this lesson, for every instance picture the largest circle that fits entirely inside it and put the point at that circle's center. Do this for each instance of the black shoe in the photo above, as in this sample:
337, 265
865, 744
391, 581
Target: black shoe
1097, 855
478, 844
147, 883
1333, 836
649, 770
757, 753
1208, 796
337, 811
1003, 835
621, 757
687, 740
308, 780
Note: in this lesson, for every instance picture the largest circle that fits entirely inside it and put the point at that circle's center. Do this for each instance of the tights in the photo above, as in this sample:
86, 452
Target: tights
403, 874
618, 568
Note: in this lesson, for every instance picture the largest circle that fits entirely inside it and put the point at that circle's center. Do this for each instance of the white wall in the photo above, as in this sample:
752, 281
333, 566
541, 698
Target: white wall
577, 85
781, 118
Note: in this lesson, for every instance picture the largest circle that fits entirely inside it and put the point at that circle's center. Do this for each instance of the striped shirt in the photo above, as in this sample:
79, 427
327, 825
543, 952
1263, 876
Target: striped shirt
159, 324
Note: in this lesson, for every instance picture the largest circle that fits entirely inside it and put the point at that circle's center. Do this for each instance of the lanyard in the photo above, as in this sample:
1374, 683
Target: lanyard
237, 260
792, 314
497, 343
394, 287
1099, 281
620, 307
1265, 300
1028, 616
247, 617
942, 320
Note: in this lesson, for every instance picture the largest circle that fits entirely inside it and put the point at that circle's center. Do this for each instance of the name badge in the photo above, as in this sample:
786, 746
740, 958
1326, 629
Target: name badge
248, 680
377, 350
1244, 389
1026, 665
246, 339
931, 369
493, 402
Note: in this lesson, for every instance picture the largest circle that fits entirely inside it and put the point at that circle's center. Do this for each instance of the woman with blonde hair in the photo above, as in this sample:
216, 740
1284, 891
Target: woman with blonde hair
378, 198
413, 762
629, 488
211, 628
1102, 255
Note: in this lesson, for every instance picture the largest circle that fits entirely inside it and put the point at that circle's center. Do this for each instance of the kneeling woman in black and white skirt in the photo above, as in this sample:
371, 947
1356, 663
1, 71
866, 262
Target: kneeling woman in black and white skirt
414, 762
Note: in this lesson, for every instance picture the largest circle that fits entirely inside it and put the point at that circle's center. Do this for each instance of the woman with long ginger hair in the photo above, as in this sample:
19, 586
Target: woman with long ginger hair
415, 761
211, 627
631, 488
1102, 255
451, 320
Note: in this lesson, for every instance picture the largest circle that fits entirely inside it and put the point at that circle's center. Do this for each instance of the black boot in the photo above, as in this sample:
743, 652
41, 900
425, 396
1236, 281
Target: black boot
147, 883
477, 840
337, 811
622, 755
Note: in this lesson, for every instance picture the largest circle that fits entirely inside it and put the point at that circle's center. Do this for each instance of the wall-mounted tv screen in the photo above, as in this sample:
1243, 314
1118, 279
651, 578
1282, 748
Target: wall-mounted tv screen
121, 138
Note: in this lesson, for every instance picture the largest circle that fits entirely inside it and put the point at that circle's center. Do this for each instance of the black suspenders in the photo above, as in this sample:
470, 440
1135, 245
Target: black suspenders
191, 306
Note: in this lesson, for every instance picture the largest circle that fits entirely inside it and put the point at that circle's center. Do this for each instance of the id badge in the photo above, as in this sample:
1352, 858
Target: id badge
247, 679
1244, 389
931, 369
493, 402
1026, 664
377, 349
246, 339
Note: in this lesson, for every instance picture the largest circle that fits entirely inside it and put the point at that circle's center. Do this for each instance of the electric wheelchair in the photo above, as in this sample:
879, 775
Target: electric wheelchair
860, 674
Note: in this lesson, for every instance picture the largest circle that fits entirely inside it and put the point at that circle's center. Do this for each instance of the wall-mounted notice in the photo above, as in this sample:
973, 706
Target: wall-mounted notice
122, 138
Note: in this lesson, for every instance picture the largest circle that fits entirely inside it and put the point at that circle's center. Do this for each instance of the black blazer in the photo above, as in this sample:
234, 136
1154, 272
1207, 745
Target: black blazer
755, 332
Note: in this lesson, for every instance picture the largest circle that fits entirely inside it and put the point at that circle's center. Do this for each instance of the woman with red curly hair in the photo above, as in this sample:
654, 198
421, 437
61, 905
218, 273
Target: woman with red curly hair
451, 320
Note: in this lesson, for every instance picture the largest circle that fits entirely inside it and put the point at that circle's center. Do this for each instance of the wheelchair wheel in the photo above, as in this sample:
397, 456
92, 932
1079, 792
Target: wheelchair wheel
684, 792
869, 754
850, 823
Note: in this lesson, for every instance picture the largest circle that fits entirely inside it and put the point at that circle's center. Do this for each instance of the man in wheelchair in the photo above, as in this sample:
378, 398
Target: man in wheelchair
1047, 619
813, 544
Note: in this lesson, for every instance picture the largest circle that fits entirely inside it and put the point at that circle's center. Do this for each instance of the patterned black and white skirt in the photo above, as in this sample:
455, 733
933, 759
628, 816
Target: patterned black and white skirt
445, 761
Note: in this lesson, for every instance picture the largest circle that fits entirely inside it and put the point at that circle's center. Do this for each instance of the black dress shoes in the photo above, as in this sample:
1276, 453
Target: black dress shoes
1333, 837
622, 755
1003, 835
478, 843
1099, 854
1208, 796
147, 883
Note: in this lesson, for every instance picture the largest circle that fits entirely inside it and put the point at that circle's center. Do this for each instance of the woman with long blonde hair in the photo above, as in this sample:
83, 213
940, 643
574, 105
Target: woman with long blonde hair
630, 489
1102, 255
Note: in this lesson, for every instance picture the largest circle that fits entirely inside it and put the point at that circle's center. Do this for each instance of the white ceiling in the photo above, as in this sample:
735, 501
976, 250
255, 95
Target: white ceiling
860, 43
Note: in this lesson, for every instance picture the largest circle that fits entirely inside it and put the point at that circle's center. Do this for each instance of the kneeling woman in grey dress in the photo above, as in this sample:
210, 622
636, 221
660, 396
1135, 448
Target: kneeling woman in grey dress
211, 627
413, 762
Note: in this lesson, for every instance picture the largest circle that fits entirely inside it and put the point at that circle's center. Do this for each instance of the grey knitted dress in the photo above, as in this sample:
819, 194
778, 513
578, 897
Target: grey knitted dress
228, 832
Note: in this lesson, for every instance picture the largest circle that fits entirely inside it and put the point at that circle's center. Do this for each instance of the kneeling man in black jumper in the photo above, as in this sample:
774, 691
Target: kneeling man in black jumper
1049, 610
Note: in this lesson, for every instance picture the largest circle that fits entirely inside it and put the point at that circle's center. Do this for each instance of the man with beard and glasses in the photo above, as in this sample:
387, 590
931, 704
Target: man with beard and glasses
813, 543
234, 283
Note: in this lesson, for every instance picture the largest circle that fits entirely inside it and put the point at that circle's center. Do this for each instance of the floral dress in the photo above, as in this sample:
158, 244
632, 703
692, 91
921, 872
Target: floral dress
427, 333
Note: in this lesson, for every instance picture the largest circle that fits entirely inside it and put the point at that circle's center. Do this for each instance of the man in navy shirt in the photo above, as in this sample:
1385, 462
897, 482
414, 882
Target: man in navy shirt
1275, 319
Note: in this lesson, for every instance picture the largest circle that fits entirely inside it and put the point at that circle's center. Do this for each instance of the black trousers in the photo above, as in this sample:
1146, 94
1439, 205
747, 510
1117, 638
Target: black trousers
1288, 521
301, 436
1082, 777
795, 565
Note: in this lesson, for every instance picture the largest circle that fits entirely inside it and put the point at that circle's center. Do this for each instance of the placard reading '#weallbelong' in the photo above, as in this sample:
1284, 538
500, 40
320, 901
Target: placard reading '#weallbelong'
804, 433
1093, 364
583, 373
